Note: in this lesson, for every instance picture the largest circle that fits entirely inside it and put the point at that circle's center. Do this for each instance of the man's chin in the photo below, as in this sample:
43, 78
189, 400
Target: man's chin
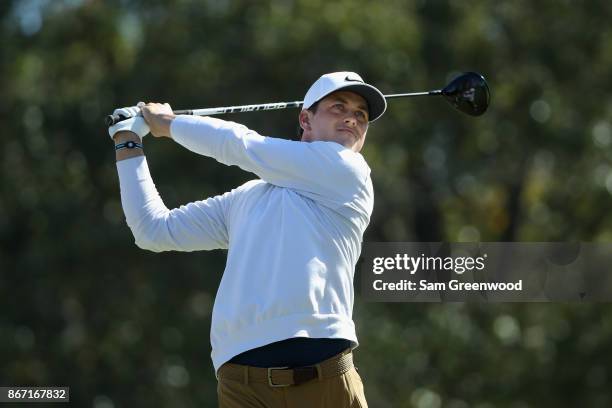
344, 138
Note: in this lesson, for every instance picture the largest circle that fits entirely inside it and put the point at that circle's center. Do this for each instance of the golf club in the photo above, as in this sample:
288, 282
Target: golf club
468, 93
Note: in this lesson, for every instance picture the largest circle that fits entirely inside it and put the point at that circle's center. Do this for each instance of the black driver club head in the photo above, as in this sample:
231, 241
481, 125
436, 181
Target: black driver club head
468, 93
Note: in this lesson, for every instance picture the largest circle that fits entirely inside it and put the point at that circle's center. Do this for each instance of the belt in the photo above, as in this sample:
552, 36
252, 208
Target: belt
284, 376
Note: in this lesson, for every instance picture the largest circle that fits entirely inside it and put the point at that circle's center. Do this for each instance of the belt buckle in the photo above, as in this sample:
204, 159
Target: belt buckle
270, 383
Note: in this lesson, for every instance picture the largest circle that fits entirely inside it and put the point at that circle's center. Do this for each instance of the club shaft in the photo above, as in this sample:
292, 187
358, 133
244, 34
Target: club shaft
240, 108
112, 119
407, 95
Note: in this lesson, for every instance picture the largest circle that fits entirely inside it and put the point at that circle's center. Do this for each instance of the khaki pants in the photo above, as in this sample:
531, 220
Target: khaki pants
248, 387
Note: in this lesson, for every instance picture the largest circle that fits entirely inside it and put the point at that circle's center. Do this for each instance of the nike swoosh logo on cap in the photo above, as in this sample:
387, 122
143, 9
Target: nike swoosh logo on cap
349, 79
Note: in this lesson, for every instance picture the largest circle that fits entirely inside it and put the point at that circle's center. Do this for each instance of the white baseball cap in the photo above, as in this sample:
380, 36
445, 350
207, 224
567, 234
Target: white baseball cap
347, 81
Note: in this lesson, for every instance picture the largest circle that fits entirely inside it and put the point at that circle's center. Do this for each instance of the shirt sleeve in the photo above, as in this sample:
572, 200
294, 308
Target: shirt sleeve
324, 171
198, 225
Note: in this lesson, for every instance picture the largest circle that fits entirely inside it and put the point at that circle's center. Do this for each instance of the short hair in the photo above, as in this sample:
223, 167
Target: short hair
313, 109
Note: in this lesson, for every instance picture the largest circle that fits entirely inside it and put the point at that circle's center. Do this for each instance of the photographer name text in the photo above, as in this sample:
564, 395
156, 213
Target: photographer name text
454, 284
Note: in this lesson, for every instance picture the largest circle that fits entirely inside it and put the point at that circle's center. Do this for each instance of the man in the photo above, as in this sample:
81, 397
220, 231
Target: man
282, 329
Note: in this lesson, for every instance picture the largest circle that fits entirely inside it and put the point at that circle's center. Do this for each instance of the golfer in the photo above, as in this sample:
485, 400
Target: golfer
282, 330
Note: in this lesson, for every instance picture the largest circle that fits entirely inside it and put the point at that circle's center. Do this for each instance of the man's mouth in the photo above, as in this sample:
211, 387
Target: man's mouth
345, 129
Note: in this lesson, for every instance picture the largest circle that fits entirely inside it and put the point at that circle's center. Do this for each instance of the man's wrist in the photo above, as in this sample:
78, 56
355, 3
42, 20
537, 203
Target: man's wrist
126, 136
127, 153
164, 125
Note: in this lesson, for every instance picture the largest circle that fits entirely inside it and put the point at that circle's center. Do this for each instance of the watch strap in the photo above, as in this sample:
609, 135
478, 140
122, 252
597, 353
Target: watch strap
128, 145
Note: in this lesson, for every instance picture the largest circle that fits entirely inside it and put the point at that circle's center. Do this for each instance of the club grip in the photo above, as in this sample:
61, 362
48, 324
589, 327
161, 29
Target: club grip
111, 120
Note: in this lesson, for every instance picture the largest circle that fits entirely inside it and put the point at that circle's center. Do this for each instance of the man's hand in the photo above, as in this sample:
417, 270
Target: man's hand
158, 116
135, 123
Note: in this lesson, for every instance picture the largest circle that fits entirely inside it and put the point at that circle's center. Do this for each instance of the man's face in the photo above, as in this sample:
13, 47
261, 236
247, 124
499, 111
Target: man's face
341, 117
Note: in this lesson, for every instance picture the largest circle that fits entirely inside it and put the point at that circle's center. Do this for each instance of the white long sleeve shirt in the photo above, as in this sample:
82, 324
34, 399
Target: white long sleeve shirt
293, 236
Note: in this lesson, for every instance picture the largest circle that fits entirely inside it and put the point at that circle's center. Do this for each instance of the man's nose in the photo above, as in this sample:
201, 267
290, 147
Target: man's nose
350, 119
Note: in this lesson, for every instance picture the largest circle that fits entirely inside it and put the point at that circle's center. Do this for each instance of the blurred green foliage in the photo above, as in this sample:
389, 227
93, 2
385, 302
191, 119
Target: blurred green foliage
83, 307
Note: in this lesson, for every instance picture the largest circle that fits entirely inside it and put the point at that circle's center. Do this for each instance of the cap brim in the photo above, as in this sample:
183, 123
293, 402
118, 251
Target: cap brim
377, 104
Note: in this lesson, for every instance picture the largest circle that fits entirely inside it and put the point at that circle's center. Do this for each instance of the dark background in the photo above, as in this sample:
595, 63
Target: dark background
82, 306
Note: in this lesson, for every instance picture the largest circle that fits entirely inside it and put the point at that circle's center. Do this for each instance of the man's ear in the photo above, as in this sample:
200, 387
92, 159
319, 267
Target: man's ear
305, 119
